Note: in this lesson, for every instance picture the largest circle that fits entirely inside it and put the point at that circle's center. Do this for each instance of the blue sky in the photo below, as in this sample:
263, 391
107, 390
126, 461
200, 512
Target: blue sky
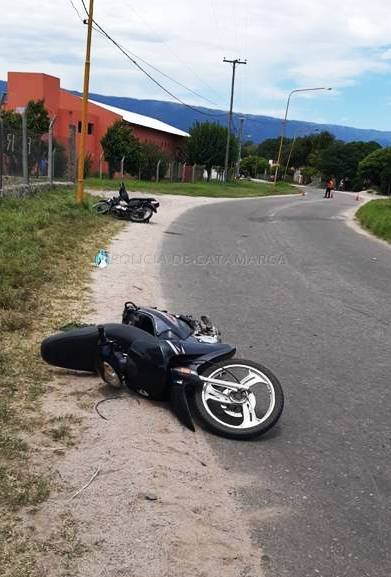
288, 43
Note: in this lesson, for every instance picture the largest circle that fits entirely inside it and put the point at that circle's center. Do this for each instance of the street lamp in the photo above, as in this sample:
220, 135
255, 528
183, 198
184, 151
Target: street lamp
284, 123
289, 157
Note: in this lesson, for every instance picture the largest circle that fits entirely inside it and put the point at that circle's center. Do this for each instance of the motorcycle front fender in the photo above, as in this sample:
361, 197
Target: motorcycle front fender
226, 352
180, 404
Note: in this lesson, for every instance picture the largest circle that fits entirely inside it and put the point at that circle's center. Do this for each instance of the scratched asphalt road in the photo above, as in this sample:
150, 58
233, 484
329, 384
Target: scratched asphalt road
297, 289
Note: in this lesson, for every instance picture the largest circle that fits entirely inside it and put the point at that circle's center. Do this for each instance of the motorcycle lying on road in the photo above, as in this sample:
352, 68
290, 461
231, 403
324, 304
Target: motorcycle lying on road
177, 358
136, 209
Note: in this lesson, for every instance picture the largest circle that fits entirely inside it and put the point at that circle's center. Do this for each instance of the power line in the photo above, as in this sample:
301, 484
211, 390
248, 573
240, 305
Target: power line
135, 63
165, 75
75, 9
103, 32
127, 53
249, 117
175, 54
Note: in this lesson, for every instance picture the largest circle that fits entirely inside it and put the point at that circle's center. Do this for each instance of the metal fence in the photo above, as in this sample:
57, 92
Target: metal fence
27, 157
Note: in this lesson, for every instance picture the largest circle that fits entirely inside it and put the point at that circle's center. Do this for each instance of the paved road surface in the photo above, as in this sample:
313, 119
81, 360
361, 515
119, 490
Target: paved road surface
313, 302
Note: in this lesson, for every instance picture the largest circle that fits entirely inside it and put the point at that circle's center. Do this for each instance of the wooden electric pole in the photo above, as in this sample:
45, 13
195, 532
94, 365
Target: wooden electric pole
84, 109
234, 63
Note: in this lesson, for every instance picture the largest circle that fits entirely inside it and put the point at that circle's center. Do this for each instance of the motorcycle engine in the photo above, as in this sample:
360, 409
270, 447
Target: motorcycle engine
205, 331
163, 324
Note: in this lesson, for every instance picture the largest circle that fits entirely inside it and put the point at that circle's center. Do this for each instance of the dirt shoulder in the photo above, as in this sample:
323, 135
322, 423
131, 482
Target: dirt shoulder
159, 503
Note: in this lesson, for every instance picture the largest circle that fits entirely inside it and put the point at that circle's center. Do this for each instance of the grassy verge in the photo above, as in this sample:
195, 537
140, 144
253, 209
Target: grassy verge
375, 216
230, 190
47, 244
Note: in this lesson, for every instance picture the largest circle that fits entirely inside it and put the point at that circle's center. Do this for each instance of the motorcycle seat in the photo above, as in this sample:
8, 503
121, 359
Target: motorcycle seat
74, 349
77, 349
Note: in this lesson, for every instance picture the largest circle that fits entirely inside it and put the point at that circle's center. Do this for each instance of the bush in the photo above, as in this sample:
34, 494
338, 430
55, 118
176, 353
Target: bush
149, 156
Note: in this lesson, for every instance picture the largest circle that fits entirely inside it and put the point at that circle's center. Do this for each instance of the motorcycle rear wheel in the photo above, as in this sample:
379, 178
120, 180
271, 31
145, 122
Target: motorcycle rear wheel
246, 415
142, 214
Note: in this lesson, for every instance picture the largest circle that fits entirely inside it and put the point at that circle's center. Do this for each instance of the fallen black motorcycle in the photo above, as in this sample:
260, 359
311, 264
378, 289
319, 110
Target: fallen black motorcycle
175, 357
136, 209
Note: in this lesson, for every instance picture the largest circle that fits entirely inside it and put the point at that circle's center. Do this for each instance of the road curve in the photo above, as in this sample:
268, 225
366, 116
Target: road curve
298, 290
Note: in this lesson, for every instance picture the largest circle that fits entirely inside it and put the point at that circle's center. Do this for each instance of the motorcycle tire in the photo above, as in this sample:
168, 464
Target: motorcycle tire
101, 207
252, 415
142, 214
120, 214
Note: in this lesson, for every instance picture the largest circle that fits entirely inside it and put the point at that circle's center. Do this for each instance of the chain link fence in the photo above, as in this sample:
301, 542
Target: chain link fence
182, 172
27, 157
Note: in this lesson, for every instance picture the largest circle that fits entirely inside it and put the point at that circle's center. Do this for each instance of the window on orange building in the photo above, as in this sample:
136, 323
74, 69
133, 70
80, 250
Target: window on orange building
90, 127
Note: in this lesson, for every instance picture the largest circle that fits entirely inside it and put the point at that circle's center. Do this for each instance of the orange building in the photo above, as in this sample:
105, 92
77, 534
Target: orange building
66, 108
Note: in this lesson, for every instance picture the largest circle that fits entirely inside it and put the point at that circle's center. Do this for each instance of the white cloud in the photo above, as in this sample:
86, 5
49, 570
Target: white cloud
287, 44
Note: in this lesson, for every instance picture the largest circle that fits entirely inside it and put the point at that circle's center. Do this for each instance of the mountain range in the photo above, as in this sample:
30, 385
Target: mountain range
256, 127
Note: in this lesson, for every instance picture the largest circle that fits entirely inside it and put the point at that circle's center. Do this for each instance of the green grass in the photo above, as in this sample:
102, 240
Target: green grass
375, 216
47, 245
35, 234
239, 189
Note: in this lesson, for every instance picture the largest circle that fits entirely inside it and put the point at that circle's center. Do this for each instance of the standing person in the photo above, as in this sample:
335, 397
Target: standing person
329, 187
333, 187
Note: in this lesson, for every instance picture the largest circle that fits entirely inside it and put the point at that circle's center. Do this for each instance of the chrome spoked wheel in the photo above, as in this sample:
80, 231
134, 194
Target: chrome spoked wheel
248, 410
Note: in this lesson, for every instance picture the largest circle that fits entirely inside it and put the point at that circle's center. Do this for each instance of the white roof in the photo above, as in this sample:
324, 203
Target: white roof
142, 120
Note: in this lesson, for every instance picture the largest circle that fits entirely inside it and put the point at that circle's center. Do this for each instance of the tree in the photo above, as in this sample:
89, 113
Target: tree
12, 119
305, 151
249, 149
207, 144
37, 120
37, 117
149, 156
118, 142
269, 148
385, 180
374, 168
341, 160
253, 165
60, 160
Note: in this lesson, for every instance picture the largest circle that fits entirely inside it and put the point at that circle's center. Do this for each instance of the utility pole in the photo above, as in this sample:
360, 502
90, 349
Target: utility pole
84, 110
240, 146
234, 64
